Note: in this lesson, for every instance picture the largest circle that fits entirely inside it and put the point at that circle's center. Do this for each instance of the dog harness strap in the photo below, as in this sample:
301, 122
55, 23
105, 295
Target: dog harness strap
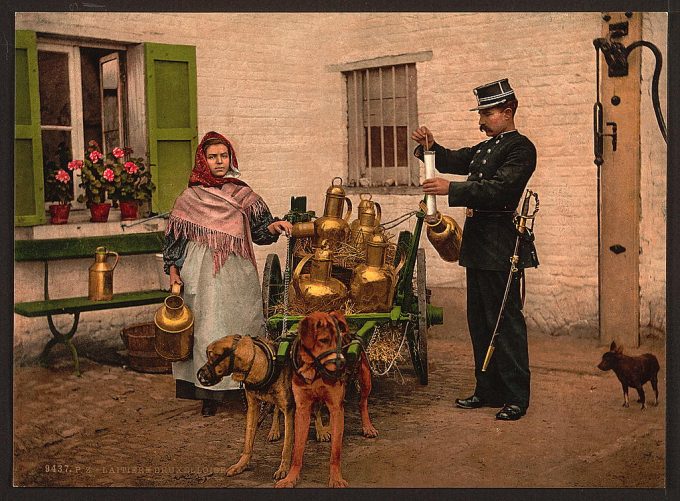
271, 366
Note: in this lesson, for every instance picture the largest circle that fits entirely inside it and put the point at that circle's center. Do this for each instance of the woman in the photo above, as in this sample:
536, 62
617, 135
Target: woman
209, 243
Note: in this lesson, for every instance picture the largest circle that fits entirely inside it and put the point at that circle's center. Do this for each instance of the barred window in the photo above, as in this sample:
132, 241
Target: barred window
381, 113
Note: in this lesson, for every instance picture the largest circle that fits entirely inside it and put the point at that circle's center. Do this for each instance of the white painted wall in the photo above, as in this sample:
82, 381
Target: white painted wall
263, 81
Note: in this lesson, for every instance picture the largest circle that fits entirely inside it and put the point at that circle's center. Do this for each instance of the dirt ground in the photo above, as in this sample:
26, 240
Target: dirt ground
114, 427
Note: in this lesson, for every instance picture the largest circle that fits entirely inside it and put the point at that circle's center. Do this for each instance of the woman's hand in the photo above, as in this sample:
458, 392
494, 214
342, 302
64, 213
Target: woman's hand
436, 186
280, 227
421, 134
174, 276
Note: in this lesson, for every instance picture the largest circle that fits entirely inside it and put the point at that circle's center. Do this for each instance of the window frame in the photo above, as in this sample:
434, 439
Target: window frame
71, 47
355, 123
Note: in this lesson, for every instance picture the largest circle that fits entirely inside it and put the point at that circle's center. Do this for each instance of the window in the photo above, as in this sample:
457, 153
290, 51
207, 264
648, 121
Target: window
70, 91
81, 98
381, 113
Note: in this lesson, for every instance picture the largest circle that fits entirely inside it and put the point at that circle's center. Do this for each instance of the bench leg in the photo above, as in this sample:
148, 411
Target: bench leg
60, 337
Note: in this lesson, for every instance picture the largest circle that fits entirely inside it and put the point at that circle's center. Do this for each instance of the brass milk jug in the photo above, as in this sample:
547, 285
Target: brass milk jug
373, 283
445, 236
174, 328
100, 282
332, 226
318, 289
362, 228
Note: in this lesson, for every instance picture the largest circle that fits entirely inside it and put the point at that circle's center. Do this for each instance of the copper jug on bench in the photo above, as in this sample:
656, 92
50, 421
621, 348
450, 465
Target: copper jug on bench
100, 279
174, 328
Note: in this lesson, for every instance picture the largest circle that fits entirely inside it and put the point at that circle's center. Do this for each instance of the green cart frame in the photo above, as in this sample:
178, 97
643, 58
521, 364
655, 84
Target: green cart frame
411, 308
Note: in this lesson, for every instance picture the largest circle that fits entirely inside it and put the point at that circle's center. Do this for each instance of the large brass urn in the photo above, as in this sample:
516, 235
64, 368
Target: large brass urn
318, 290
332, 226
373, 283
368, 220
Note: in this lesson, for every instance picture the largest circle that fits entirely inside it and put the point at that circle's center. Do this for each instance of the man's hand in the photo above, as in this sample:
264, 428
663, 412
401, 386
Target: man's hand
280, 227
436, 186
421, 134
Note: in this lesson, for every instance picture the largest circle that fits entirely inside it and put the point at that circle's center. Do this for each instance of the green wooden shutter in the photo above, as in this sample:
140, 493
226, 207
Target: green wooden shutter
29, 198
171, 110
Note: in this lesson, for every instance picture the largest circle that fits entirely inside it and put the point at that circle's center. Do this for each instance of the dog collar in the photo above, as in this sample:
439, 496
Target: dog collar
272, 370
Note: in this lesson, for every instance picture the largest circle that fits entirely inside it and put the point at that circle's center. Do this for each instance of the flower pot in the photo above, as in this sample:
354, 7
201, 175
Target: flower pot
59, 213
128, 209
99, 212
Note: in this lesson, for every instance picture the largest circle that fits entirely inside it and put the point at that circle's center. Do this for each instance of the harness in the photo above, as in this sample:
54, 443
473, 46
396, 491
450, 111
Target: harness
272, 371
320, 367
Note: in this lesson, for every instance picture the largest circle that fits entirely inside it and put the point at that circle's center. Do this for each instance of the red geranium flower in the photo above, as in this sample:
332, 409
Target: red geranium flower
62, 176
95, 156
118, 153
75, 164
131, 167
108, 175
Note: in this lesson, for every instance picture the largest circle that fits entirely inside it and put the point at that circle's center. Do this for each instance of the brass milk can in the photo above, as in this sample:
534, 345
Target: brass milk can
100, 281
174, 328
362, 228
445, 236
318, 289
373, 283
332, 226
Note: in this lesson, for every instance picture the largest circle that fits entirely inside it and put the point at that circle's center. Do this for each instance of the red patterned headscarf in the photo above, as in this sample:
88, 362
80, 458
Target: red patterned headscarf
201, 175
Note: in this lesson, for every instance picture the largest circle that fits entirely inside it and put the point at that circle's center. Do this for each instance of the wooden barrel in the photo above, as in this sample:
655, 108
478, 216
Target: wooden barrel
139, 341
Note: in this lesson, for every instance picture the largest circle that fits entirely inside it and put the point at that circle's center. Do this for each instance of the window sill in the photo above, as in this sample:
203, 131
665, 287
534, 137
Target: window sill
385, 190
79, 225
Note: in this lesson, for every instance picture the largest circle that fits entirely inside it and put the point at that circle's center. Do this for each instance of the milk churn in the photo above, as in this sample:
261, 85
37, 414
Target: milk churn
368, 220
331, 226
318, 289
373, 283
445, 236
100, 283
174, 328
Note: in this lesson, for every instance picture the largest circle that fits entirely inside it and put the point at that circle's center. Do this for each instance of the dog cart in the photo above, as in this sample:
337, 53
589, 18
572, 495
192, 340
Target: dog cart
411, 309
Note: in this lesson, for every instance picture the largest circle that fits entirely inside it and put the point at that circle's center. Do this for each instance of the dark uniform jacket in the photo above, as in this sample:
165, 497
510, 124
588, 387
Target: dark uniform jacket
498, 171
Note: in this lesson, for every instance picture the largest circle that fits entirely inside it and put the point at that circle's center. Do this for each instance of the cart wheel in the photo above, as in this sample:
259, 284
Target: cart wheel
272, 288
417, 342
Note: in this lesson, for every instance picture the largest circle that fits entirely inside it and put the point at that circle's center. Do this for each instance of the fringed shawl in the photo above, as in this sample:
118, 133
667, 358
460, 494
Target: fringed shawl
217, 217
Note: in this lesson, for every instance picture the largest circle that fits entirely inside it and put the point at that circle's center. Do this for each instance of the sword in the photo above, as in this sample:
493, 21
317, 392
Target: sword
521, 225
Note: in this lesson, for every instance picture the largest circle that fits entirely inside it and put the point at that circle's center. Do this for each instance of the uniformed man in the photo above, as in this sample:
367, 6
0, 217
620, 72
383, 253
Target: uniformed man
498, 170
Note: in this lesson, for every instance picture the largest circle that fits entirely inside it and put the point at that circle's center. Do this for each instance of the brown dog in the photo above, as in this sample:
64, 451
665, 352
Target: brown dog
320, 375
632, 371
250, 360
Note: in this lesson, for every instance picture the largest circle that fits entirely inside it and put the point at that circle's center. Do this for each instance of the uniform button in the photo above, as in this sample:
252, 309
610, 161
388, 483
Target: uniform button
498, 141
478, 151
489, 150
481, 175
484, 161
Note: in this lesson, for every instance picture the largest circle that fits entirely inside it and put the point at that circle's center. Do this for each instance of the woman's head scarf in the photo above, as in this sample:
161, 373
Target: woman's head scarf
201, 175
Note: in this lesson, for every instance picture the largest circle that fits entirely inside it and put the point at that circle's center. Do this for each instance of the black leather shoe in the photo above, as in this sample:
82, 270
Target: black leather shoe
510, 413
474, 402
209, 408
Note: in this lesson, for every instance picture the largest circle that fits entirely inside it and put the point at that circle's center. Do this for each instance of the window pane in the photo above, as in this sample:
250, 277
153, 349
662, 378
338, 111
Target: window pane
55, 102
56, 155
110, 104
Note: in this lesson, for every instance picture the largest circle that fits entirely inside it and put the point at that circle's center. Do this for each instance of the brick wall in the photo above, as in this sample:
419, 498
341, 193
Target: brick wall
263, 80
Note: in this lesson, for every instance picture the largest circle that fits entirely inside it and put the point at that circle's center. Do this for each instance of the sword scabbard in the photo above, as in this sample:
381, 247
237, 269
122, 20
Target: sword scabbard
487, 358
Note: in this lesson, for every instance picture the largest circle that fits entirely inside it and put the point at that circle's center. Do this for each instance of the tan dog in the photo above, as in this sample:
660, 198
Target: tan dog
250, 360
320, 375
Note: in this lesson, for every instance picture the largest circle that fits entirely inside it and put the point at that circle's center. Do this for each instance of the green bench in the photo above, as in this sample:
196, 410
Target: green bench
76, 248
